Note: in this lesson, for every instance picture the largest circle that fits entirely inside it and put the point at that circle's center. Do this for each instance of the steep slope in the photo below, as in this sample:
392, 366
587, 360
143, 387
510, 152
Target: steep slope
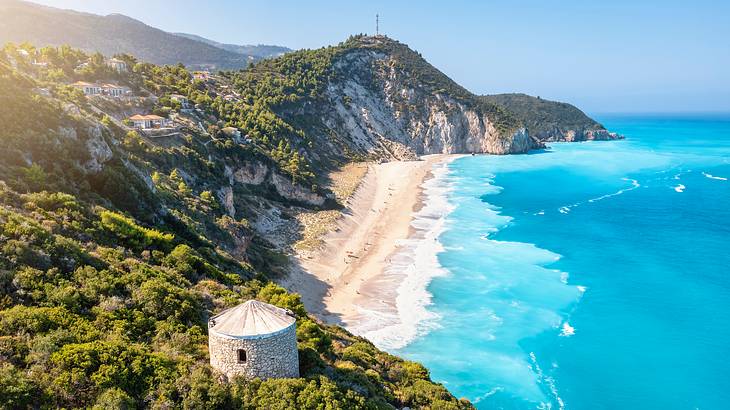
256, 51
551, 120
23, 21
384, 90
115, 249
369, 97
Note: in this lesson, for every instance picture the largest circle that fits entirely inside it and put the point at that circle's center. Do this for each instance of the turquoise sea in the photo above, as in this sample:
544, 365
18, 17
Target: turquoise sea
586, 276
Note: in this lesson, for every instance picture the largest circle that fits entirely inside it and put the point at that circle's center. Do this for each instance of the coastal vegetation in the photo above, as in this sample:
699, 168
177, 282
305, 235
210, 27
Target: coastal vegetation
115, 250
542, 117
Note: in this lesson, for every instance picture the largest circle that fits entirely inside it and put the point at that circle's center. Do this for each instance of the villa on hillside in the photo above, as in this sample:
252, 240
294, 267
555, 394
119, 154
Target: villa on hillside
109, 89
87, 88
151, 121
114, 90
117, 64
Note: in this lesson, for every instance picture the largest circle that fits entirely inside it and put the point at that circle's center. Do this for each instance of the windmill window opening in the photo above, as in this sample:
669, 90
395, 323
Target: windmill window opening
241, 356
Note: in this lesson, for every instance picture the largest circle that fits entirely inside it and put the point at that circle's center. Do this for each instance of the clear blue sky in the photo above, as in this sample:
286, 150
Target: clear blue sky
604, 56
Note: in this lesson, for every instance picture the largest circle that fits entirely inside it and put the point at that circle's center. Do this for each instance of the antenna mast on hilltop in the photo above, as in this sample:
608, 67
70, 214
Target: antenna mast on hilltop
377, 25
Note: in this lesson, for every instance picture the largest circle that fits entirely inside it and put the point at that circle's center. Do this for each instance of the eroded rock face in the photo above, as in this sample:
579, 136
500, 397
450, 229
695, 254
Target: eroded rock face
286, 189
556, 134
99, 150
241, 236
412, 121
225, 196
252, 173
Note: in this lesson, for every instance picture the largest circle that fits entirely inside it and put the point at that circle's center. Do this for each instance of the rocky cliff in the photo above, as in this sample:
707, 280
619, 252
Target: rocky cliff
550, 121
383, 100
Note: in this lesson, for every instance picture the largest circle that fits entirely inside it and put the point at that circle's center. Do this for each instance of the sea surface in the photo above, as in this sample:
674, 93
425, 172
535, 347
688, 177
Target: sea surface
589, 275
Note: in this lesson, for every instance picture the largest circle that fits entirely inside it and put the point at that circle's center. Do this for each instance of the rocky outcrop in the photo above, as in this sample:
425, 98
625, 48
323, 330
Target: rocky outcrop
551, 121
292, 192
578, 135
225, 196
99, 150
380, 108
252, 173
241, 236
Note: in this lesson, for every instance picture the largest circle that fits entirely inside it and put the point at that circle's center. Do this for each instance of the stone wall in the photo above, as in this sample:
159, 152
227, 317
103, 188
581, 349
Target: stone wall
273, 356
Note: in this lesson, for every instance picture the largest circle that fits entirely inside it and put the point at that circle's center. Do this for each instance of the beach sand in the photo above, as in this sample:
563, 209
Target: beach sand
347, 272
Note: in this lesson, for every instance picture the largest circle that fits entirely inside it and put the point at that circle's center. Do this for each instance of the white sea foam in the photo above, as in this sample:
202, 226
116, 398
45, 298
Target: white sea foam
581, 289
549, 382
567, 330
488, 394
564, 277
634, 185
415, 264
680, 188
714, 177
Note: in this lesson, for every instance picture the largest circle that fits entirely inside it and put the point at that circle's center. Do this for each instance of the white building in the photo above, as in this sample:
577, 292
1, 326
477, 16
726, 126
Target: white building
87, 88
119, 65
149, 121
114, 90
254, 339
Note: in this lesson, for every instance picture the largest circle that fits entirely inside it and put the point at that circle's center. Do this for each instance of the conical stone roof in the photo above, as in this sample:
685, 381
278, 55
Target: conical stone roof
250, 320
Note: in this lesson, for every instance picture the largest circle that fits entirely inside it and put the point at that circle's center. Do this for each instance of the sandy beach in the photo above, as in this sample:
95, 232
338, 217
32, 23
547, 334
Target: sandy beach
343, 275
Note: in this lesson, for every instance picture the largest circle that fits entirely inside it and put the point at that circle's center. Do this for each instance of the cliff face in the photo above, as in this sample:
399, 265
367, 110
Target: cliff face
551, 121
378, 103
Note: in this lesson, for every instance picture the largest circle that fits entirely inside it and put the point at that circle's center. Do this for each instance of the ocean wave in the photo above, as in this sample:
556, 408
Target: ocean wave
488, 394
680, 188
415, 264
549, 382
634, 185
714, 177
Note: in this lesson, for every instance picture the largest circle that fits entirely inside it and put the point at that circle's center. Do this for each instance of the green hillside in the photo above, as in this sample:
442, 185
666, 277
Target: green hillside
545, 119
114, 249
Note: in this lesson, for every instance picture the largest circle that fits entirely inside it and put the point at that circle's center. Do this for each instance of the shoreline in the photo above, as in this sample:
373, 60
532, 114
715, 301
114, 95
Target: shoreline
350, 276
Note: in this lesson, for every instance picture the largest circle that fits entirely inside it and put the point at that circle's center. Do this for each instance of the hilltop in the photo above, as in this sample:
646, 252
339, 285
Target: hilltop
116, 33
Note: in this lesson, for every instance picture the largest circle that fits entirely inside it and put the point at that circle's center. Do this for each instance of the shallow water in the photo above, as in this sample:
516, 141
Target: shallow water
590, 275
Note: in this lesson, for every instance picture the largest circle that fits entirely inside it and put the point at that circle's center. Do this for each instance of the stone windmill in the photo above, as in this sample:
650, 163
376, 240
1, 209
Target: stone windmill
254, 339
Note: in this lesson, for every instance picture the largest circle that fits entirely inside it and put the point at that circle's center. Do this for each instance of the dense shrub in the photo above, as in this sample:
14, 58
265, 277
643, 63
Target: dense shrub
135, 235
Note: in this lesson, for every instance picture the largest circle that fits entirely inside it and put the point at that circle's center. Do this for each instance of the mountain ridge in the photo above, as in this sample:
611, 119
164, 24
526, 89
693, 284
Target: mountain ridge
112, 34
258, 51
